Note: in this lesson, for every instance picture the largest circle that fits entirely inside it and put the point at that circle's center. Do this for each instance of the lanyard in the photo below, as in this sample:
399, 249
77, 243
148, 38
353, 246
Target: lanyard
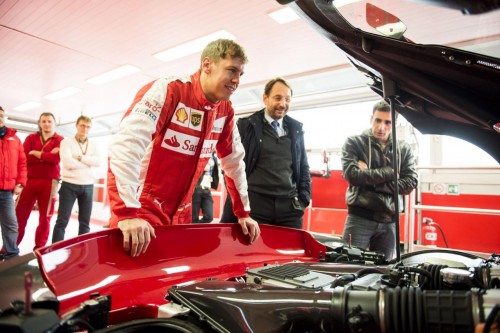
44, 142
80, 145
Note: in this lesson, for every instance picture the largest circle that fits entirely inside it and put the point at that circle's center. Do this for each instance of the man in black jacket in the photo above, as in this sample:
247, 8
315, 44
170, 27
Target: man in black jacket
279, 181
367, 167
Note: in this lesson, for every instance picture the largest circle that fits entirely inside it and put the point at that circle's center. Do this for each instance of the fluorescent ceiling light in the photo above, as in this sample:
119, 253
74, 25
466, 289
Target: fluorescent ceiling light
113, 74
194, 46
284, 15
27, 106
20, 124
68, 91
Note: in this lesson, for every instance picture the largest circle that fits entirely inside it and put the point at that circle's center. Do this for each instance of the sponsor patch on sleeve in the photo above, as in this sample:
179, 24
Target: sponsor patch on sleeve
144, 111
218, 125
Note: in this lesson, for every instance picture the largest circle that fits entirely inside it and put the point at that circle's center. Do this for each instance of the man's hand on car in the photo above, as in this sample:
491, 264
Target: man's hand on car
249, 227
137, 234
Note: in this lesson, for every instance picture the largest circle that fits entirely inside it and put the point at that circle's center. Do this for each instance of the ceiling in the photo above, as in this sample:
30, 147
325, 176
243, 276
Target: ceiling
48, 45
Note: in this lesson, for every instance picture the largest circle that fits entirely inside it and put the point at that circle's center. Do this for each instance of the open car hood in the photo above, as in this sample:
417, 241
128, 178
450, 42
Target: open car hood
438, 89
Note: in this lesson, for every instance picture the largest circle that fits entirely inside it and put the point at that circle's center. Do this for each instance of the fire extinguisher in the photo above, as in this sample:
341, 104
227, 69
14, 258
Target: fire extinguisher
429, 233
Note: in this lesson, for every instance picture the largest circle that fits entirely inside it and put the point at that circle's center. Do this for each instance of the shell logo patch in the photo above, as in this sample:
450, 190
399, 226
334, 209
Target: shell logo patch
181, 115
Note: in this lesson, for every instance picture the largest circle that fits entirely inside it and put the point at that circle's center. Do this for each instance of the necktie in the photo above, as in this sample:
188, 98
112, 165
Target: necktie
276, 126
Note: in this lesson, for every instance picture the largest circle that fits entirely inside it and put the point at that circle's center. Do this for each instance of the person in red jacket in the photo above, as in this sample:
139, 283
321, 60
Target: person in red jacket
164, 142
12, 181
42, 153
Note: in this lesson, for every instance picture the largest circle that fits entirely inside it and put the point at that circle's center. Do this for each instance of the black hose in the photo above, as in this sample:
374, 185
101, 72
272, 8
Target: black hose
396, 307
425, 274
342, 280
419, 313
494, 283
435, 281
341, 258
412, 310
404, 309
491, 318
388, 308
368, 270
477, 283
437, 277
442, 233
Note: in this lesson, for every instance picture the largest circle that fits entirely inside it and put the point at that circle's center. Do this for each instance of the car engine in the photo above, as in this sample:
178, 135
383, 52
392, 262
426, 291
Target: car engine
346, 290
433, 291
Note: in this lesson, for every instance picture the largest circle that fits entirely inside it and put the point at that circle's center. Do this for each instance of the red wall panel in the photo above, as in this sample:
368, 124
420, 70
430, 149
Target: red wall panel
474, 232
329, 192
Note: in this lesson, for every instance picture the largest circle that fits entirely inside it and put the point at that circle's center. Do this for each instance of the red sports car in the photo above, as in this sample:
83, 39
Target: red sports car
207, 278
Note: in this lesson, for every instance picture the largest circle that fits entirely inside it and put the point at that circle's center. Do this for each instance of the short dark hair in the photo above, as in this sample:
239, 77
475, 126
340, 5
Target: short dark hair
85, 119
1, 109
381, 106
45, 114
270, 84
221, 48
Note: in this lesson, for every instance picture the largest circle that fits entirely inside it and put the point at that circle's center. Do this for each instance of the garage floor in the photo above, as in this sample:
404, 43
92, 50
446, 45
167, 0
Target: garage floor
99, 219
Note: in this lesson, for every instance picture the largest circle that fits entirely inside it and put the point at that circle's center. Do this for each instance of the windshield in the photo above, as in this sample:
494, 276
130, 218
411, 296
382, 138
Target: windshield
424, 23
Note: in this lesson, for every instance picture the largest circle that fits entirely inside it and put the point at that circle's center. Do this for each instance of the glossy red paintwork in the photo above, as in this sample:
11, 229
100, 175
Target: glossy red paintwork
181, 254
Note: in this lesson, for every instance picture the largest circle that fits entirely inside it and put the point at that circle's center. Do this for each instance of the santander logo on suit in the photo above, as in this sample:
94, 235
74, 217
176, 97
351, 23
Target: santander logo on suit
188, 144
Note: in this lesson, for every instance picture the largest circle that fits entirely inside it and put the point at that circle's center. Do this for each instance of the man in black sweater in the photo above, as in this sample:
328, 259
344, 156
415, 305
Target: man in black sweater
279, 181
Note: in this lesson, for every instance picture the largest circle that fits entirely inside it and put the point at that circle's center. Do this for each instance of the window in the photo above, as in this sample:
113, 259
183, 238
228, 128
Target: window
326, 128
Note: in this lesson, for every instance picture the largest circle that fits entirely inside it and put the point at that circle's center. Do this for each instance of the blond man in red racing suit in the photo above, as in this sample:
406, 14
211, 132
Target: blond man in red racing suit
164, 142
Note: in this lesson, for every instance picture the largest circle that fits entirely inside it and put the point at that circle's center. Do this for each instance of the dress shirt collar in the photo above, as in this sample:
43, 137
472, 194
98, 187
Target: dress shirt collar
270, 120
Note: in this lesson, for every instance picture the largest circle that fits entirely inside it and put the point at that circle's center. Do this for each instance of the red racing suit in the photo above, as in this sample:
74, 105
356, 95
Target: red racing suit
165, 140
43, 181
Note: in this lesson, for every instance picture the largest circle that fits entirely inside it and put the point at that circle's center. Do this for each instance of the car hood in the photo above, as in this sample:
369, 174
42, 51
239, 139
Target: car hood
438, 89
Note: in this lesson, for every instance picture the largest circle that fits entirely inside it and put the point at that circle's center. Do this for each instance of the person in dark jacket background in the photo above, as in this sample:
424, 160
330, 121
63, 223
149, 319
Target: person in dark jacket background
13, 177
279, 181
367, 167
